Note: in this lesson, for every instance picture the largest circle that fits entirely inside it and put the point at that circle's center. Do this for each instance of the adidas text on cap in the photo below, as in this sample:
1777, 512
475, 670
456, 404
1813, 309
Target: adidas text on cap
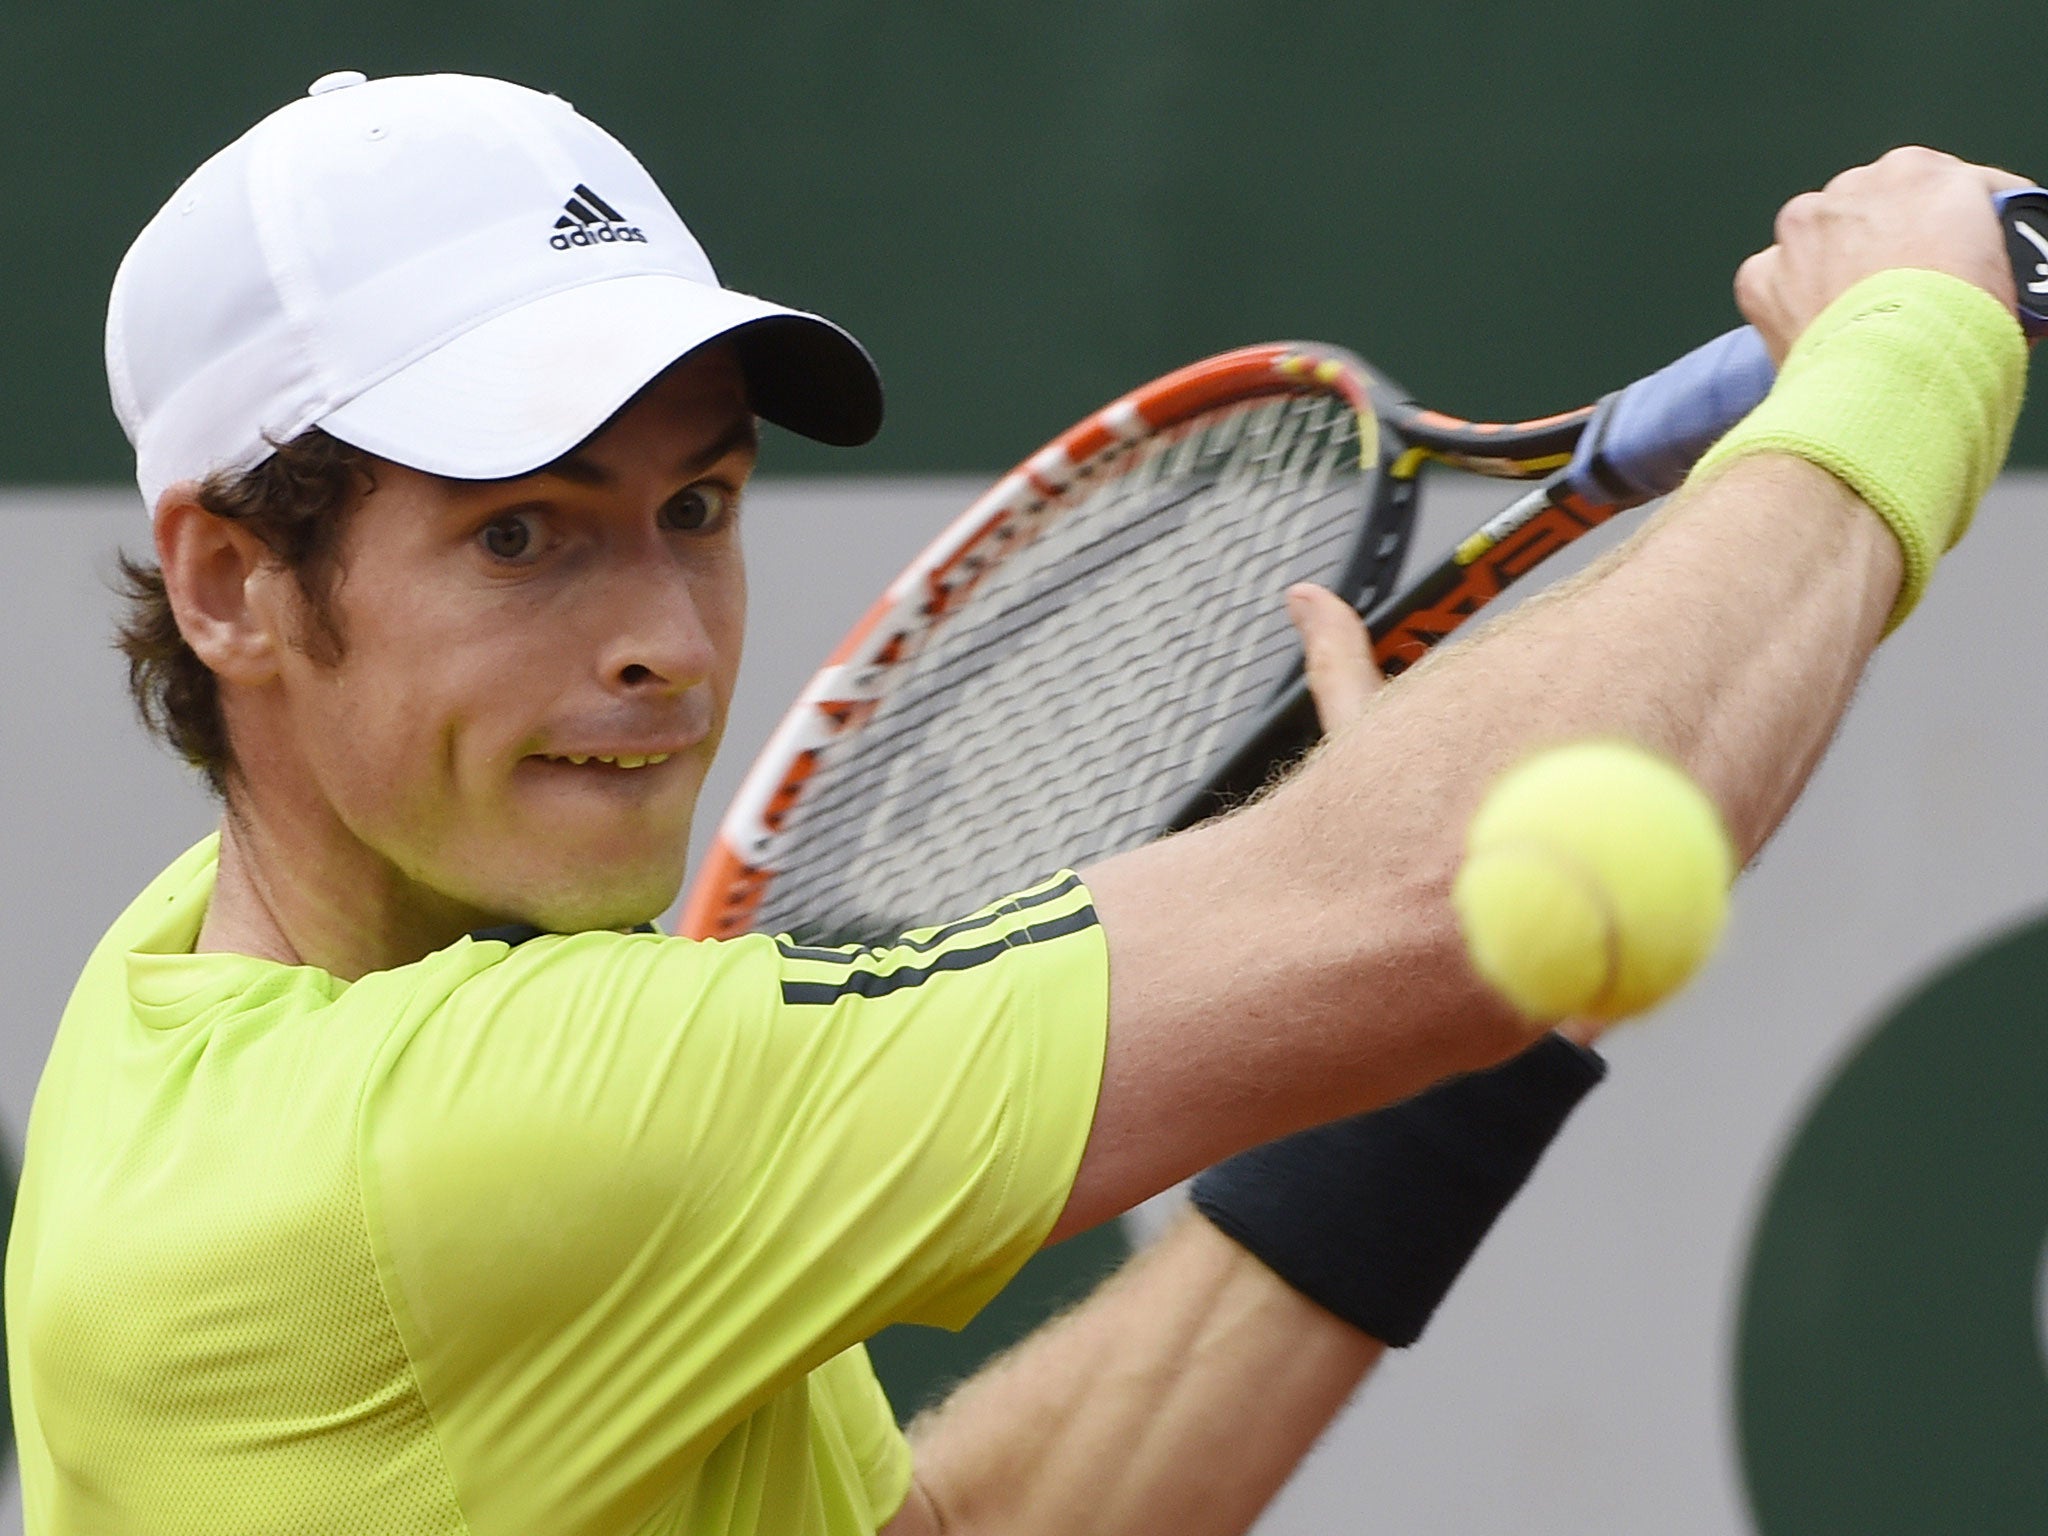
454, 273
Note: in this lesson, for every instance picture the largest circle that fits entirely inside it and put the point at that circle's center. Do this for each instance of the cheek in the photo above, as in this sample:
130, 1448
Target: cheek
374, 728
401, 731
722, 608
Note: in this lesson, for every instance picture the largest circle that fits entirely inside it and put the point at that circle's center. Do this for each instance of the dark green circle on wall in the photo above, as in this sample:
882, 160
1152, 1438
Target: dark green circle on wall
1889, 1355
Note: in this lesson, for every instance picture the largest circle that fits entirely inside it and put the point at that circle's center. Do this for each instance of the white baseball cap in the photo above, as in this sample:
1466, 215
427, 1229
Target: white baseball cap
457, 274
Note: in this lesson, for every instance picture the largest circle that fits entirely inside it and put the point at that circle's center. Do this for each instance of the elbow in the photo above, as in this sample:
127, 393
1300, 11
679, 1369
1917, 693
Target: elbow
923, 1512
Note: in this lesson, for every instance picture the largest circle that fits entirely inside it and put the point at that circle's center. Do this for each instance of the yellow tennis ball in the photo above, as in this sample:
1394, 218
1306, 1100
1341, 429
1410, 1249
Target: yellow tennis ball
1595, 881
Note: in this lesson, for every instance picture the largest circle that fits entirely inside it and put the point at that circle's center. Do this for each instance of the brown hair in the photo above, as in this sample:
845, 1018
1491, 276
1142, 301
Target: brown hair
298, 502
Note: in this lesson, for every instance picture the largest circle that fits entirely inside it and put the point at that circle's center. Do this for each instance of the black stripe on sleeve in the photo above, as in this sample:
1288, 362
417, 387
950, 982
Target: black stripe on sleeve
516, 934
882, 983
850, 952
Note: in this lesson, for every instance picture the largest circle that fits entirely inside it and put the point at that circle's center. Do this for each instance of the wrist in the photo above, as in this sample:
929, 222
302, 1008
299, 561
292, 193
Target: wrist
1373, 1218
1906, 390
1836, 540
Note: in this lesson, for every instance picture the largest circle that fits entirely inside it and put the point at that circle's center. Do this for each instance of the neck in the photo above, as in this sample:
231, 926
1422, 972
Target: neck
342, 909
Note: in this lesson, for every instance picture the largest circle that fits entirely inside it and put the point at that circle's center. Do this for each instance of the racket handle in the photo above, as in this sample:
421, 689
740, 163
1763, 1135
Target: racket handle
2024, 213
1645, 438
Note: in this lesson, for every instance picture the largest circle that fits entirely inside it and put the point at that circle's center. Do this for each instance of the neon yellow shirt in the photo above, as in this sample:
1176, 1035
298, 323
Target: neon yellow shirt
577, 1235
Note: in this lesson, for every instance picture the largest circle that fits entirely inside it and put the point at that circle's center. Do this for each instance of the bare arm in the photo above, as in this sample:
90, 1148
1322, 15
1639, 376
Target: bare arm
1300, 961
1134, 1413
1100, 1420
1130, 1415
1177, 1400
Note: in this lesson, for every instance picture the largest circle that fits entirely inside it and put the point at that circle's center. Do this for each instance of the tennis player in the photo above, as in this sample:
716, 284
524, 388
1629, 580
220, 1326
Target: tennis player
389, 1173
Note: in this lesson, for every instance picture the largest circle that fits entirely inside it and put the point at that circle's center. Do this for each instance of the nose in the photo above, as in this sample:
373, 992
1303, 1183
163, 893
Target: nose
657, 641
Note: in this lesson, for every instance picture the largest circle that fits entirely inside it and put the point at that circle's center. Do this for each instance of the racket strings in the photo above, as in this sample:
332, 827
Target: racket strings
1086, 683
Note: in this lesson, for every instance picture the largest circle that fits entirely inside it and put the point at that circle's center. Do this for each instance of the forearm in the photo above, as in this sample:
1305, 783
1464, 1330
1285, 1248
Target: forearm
1729, 635
1177, 1400
1205, 1355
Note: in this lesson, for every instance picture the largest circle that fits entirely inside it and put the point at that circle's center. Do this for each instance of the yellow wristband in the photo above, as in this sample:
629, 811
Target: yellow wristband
1905, 389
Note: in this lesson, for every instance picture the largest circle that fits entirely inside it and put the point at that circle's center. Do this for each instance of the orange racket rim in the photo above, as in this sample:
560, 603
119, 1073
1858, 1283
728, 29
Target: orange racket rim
740, 866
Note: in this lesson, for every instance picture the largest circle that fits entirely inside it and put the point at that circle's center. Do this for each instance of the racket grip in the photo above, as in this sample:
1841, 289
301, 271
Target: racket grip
1646, 438
2024, 213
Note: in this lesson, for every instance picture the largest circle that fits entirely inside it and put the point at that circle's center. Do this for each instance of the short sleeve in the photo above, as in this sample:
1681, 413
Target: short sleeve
625, 1188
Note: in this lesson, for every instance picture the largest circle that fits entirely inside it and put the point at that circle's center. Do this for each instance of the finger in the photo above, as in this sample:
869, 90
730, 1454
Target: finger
1995, 177
1336, 654
2000, 180
1801, 213
1756, 298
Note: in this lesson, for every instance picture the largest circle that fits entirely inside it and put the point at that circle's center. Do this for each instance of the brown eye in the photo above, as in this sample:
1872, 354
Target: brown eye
508, 538
698, 508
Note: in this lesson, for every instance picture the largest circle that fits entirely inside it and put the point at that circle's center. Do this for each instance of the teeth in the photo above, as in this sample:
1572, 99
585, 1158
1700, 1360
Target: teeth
622, 760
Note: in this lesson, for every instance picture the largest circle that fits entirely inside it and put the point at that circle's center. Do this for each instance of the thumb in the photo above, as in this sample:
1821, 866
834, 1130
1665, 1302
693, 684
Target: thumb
1336, 654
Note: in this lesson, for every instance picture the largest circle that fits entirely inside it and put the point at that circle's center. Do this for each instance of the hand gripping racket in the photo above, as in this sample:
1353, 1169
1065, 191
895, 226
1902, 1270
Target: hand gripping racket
1095, 652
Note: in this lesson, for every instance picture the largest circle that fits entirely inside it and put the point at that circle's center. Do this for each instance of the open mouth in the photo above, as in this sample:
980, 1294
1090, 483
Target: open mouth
620, 760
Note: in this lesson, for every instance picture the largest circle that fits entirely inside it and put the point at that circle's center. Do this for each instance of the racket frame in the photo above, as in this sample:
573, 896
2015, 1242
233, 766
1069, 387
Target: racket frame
1687, 404
1397, 437
1004, 520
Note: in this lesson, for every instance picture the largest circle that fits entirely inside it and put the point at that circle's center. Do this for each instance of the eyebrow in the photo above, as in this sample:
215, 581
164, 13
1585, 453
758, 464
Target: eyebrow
579, 469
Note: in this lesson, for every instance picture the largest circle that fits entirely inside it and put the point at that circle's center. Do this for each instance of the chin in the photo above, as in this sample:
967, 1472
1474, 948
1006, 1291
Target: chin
576, 902
588, 911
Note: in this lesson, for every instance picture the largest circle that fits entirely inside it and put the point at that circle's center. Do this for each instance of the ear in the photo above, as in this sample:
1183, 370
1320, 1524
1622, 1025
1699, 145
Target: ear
223, 586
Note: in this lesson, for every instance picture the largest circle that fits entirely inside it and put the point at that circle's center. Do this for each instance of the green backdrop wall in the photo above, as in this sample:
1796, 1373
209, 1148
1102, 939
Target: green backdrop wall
1889, 1368
1025, 208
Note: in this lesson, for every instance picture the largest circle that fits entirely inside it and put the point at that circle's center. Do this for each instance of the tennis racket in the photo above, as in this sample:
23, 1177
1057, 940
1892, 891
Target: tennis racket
1095, 652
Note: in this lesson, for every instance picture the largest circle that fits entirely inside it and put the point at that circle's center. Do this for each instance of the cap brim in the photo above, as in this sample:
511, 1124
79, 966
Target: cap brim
523, 388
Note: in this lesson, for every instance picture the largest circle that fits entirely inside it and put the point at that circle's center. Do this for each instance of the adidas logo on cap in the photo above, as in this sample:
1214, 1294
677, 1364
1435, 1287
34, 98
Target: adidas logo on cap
588, 219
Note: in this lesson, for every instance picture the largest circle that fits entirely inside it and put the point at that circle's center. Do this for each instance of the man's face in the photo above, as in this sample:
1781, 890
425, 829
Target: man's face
513, 649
